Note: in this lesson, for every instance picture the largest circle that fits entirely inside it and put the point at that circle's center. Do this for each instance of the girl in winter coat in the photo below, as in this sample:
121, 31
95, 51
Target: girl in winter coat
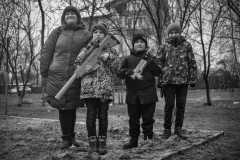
97, 90
57, 66
141, 95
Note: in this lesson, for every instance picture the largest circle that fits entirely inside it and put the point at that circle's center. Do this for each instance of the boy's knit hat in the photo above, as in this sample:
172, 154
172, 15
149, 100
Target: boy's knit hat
174, 26
139, 36
69, 9
101, 26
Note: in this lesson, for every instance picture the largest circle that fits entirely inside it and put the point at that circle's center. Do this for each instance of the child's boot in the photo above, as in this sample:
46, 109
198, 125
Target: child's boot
102, 145
166, 133
93, 144
178, 131
133, 142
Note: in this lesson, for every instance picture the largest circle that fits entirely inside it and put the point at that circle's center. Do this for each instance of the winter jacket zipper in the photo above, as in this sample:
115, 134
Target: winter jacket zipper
69, 63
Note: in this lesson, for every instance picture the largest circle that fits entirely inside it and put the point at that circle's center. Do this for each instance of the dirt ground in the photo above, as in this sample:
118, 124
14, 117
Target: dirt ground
28, 139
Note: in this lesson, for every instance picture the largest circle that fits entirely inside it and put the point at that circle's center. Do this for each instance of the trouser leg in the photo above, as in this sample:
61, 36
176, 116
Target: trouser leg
103, 118
134, 113
147, 119
73, 116
169, 96
65, 119
181, 96
65, 123
92, 109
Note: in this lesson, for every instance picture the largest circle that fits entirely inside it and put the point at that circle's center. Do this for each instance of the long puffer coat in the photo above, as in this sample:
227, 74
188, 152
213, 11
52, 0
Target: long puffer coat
57, 64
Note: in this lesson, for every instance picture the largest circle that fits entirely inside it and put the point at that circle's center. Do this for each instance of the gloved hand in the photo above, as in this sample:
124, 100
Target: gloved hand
94, 42
128, 72
192, 85
147, 57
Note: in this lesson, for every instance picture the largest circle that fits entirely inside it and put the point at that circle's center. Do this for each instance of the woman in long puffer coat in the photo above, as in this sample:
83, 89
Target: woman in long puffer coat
57, 66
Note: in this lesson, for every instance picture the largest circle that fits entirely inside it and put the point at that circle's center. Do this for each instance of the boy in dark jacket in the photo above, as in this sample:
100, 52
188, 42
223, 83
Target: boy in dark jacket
141, 95
179, 71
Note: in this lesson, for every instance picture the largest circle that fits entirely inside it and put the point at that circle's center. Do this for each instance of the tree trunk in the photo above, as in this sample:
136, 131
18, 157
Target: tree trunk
42, 36
19, 100
209, 102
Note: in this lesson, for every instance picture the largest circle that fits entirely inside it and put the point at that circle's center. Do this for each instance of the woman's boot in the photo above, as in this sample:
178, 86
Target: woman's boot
102, 145
133, 142
93, 144
74, 142
67, 141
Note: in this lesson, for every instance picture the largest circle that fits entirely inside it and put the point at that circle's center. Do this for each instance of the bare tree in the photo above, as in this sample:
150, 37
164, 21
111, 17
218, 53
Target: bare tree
235, 67
230, 33
125, 18
206, 23
35, 66
90, 8
7, 12
183, 12
158, 13
234, 5
19, 29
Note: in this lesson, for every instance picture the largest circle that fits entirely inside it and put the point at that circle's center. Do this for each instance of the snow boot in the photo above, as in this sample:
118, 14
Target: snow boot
93, 144
133, 142
67, 141
166, 133
102, 144
74, 142
178, 131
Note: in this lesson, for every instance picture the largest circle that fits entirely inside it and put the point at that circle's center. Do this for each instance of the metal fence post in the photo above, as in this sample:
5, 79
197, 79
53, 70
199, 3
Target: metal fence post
121, 95
113, 96
43, 91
